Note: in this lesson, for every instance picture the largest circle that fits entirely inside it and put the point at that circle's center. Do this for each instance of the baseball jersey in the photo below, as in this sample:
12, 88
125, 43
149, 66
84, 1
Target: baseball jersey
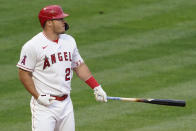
51, 63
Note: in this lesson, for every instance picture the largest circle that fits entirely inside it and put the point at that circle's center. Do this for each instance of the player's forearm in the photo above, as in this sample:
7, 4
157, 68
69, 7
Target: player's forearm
26, 79
83, 72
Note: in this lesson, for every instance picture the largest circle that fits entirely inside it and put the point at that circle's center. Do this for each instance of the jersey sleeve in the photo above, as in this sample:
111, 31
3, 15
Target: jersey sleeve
76, 59
27, 58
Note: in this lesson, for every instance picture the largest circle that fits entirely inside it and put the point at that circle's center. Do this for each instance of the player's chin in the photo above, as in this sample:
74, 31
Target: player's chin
62, 31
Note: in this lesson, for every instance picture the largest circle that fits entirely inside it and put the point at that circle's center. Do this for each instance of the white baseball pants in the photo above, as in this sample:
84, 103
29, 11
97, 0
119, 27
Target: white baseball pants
59, 116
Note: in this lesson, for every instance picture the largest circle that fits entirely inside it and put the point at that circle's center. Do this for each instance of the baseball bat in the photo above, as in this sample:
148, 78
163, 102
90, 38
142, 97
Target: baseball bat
180, 103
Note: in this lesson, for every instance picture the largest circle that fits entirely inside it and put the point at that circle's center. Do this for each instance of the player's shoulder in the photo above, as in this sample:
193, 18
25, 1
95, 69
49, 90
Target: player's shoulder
33, 42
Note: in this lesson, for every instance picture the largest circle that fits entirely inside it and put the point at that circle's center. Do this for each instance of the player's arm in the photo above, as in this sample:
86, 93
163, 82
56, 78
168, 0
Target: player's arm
84, 74
26, 79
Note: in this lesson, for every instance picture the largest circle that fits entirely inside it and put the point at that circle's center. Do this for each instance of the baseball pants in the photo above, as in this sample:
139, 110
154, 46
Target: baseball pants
58, 116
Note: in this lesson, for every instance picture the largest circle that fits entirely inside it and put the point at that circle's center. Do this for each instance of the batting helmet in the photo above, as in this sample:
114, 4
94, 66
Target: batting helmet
51, 12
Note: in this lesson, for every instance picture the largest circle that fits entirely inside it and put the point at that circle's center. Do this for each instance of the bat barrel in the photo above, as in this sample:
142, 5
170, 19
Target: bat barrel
180, 103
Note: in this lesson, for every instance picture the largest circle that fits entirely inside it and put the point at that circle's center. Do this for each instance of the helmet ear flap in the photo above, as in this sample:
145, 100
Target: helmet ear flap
66, 26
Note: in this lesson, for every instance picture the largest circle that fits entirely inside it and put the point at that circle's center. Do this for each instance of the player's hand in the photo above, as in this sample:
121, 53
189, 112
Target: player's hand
45, 100
100, 94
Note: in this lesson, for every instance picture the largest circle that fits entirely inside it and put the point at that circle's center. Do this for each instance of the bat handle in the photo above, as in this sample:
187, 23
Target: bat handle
113, 98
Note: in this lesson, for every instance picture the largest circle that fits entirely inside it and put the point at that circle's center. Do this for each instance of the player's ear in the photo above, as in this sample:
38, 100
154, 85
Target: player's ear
48, 23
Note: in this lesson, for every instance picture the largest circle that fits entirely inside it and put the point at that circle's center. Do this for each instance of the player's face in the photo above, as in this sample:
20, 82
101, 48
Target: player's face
59, 26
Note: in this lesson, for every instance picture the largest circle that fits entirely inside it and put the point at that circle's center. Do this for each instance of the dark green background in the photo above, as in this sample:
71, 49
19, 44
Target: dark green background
135, 48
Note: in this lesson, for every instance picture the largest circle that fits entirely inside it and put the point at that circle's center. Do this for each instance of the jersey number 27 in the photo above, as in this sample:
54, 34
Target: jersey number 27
67, 74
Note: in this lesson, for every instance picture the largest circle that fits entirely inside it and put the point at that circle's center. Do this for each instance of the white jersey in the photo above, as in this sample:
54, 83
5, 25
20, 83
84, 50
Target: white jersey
51, 64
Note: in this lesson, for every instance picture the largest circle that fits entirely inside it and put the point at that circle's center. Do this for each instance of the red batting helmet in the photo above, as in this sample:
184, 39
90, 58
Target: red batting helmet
51, 12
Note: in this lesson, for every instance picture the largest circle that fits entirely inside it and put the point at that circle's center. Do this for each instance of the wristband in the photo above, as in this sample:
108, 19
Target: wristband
92, 82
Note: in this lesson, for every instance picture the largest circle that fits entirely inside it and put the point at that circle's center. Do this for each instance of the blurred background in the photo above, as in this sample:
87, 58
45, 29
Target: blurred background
134, 48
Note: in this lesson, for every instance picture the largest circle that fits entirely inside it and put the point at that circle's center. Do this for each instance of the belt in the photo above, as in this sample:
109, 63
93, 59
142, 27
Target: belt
60, 98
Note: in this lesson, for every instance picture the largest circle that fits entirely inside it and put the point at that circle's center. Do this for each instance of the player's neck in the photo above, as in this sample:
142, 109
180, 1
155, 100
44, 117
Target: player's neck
50, 35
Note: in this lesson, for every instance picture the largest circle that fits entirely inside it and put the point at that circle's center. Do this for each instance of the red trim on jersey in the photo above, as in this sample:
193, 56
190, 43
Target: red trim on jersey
57, 40
92, 82
22, 67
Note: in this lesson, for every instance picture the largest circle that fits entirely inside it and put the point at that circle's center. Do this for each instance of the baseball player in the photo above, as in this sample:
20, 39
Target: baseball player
46, 66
